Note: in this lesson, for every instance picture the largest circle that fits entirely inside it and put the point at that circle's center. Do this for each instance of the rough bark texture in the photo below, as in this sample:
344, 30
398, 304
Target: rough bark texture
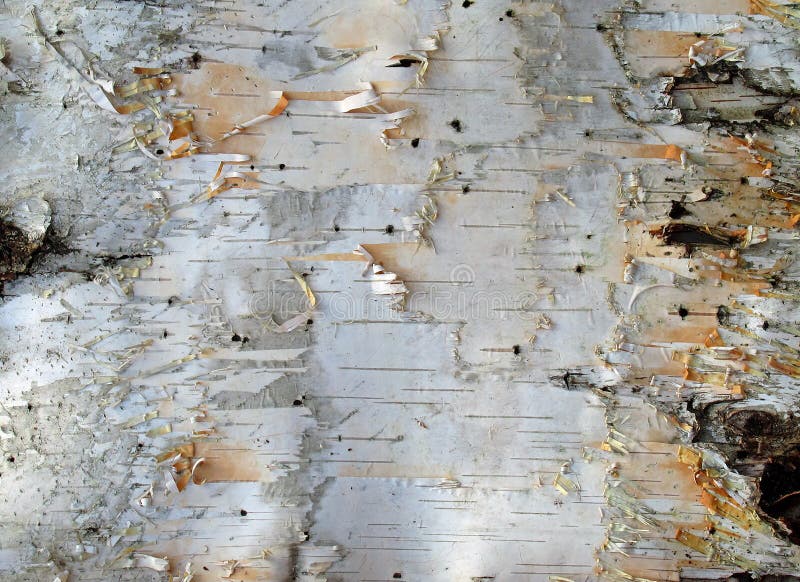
400, 290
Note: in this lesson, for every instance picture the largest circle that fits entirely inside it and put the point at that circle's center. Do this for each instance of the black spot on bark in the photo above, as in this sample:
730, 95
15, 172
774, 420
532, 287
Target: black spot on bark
195, 60
691, 235
15, 251
780, 491
402, 63
677, 210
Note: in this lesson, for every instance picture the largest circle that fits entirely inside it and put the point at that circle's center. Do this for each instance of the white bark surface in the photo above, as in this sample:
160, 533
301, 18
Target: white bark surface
417, 323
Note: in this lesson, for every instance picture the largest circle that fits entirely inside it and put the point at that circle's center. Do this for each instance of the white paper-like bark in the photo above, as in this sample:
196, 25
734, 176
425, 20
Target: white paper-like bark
402, 301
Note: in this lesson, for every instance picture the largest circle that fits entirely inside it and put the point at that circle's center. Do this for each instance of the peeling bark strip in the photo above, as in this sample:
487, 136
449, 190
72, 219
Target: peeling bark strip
400, 290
